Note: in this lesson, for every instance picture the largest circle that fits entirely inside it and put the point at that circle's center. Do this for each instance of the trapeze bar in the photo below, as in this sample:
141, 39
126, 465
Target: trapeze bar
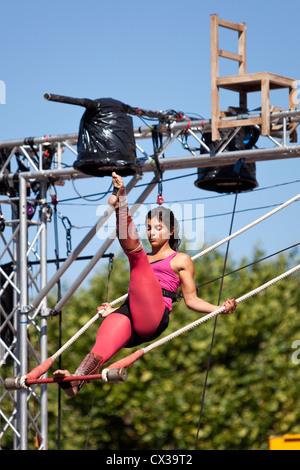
112, 375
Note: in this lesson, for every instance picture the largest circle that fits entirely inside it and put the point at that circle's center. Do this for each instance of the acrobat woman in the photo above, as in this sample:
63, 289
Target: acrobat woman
154, 279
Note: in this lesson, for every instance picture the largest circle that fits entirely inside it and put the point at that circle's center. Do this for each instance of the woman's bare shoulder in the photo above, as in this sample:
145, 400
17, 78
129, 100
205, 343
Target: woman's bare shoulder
183, 260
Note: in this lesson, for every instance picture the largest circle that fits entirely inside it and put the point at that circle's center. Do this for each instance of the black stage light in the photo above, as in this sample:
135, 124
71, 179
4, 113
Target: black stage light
230, 178
106, 140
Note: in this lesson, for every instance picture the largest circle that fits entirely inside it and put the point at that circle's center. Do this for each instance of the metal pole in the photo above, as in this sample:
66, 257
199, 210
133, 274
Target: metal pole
190, 161
202, 161
49, 139
86, 102
43, 323
16, 299
201, 125
23, 313
204, 125
102, 250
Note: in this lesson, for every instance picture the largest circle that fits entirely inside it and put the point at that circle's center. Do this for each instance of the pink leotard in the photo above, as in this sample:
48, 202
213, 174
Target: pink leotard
166, 276
146, 312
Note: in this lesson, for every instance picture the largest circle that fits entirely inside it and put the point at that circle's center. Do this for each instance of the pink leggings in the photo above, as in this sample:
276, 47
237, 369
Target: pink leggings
147, 308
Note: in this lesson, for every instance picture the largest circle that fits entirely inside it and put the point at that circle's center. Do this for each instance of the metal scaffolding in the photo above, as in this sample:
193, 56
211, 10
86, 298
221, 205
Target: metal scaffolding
23, 264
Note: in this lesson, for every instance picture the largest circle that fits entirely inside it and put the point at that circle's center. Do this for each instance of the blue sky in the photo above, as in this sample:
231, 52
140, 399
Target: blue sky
154, 55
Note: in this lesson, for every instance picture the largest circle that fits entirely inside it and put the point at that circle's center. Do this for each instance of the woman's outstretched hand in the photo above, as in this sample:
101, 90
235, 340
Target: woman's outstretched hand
119, 190
107, 309
230, 306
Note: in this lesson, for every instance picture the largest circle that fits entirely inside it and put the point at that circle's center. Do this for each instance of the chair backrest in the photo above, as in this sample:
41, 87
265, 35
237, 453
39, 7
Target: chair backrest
216, 52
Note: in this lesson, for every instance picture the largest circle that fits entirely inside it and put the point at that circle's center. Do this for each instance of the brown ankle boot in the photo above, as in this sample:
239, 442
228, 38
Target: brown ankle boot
90, 365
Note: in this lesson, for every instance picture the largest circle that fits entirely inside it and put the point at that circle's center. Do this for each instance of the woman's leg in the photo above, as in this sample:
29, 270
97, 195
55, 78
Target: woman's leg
145, 297
113, 334
146, 301
126, 230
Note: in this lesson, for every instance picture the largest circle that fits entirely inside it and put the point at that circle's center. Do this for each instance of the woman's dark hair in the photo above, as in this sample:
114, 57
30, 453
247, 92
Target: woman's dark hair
166, 216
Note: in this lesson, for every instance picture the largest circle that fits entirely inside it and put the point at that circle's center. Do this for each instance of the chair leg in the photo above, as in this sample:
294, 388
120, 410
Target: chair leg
265, 107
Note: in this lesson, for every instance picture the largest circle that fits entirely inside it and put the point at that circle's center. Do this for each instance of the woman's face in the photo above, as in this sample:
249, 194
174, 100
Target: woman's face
158, 233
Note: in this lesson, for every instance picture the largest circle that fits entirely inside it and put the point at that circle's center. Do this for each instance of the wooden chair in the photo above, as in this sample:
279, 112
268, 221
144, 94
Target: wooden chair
243, 83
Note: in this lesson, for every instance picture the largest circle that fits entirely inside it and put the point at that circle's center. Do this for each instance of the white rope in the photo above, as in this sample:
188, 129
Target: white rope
218, 311
247, 227
84, 328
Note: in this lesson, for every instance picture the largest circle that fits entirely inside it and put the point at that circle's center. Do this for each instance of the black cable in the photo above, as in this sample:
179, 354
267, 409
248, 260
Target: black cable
137, 186
215, 323
63, 201
222, 277
109, 271
248, 265
102, 195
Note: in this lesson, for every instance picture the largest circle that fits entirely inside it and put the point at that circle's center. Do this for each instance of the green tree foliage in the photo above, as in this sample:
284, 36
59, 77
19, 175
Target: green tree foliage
252, 390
